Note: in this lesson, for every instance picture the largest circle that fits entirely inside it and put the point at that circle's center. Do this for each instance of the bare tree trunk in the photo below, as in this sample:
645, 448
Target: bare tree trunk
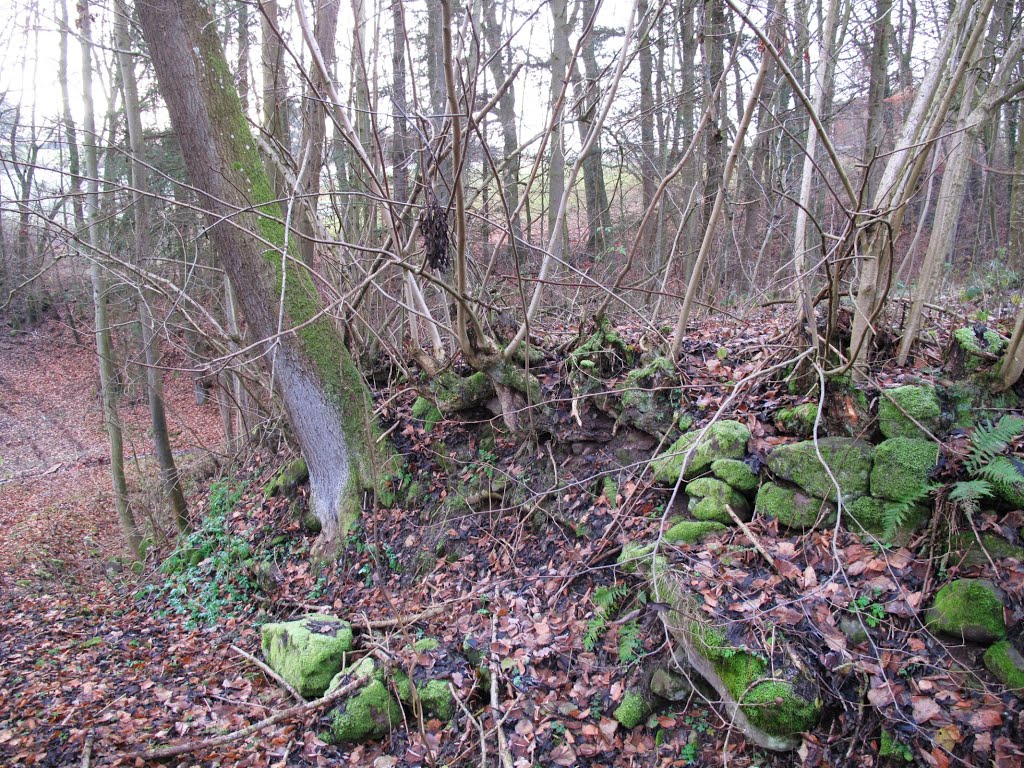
648, 167
878, 86
588, 98
276, 119
140, 188
324, 396
104, 347
400, 138
560, 55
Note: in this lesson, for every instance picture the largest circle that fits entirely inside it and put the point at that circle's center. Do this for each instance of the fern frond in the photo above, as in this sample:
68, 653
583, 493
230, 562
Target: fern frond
971, 490
607, 597
1002, 472
629, 642
989, 441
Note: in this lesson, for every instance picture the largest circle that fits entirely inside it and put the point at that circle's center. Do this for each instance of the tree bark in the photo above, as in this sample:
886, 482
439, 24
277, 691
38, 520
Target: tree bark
104, 347
324, 397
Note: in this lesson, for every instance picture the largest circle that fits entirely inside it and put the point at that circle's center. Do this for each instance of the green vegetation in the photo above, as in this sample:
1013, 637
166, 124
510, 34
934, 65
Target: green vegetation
848, 461
370, 713
692, 531
736, 473
792, 507
633, 710
308, 653
723, 440
968, 608
1005, 662
899, 408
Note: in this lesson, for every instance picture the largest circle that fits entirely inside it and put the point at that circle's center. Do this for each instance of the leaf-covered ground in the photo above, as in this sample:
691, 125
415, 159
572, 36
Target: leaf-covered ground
95, 657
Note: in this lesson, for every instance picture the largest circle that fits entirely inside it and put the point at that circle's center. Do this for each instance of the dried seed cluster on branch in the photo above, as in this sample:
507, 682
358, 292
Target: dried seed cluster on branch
434, 228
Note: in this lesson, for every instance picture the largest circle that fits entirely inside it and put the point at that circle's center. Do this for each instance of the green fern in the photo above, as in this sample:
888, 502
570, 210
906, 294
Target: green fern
895, 514
990, 440
607, 600
629, 642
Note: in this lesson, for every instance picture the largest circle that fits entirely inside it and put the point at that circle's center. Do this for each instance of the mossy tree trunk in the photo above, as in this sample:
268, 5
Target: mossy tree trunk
323, 394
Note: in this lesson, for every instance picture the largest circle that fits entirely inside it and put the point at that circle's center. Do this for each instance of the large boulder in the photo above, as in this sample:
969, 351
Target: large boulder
369, 713
792, 507
710, 498
722, 440
309, 652
899, 408
901, 469
968, 609
849, 461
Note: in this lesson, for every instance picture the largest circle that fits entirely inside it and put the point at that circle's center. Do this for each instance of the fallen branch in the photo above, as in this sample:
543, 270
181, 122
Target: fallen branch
751, 537
270, 673
504, 753
302, 709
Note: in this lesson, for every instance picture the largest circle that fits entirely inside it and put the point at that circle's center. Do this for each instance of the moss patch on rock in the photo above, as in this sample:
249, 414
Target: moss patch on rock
965, 548
650, 396
901, 468
709, 498
879, 518
288, 478
971, 609
798, 420
1005, 662
692, 531
848, 459
309, 652
970, 344
633, 710
897, 406
425, 412
370, 713
736, 473
792, 507
723, 440
435, 696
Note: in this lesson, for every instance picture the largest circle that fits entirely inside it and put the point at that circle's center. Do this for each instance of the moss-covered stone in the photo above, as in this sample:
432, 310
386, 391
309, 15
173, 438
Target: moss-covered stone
792, 507
798, 420
878, 517
288, 478
425, 412
901, 468
651, 397
434, 695
692, 531
370, 713
637, 557
891, 748
1010, 492
1005, 662
965, 548
736, 473
899, 407
970, 343
425, 644
848, 459
307, 652
971, 609
723, 440
710, 498
633, 710
454, 393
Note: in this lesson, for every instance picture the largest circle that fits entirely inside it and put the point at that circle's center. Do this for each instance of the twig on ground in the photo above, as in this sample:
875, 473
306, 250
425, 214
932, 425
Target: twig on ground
87, 749
751, 537
504, 754
270, 673
163, 753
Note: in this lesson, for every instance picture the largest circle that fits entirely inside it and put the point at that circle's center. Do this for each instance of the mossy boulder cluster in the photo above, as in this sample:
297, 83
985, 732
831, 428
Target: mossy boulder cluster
881, 487
972, 611
313, 655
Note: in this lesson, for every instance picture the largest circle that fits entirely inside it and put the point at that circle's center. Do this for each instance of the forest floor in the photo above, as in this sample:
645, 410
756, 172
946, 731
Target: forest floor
98, 660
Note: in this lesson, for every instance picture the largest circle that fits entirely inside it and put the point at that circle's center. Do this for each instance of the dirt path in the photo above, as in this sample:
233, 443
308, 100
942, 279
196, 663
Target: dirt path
56, 507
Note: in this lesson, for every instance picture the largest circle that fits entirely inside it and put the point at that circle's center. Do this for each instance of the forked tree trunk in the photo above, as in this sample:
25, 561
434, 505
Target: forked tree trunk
324, 397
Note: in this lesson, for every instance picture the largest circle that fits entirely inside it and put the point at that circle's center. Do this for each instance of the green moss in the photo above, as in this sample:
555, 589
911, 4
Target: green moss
872, 515
709, 498
425, 411
990, 342
455, 393
288, 478
964, 547
308, 652
971, 609
637, 557
891, 748
736, 473
774, 707
632, 710
1005, 662
895, 406
901, 468
368, 714
723, 440
798, 420
792, 507
848, 459
435, 697
650, 396
692, 531
425, 644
